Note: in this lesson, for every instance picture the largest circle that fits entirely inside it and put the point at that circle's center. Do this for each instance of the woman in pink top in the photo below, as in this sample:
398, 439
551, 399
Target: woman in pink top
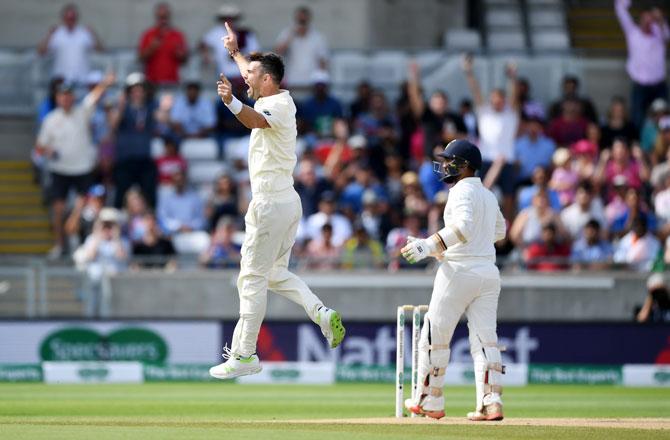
621, 163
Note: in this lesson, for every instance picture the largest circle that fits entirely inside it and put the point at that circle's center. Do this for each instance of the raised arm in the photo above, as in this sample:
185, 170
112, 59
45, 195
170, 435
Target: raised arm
513, 86
661, 22
473, 84
43, 47
416, 103
249, 117
230, 43
625, 20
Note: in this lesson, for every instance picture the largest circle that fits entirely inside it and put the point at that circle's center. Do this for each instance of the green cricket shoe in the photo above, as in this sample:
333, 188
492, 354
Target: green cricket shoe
331, 326
235, 366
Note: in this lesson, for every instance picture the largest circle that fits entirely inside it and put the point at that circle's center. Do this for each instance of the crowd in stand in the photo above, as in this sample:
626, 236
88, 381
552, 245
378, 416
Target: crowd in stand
580, 191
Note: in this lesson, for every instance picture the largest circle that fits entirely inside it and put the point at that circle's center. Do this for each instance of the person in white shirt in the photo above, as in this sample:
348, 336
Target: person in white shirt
467, 281
211, 43
70, 44
586, 207
498, 124
274, 212
341, 225
65, 141
305, 49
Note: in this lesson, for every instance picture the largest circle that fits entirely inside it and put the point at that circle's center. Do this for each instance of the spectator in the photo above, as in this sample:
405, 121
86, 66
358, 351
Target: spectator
193, 115
617, 204
617, 125
591, 251
540, 181
170, 162
105, 252
304, 48
587, 207
660, 171
136, 122
469, 118
222, 202
321, 253
440, 125
547, 254
527, 105
393, 181
65, 141
651, 128
361, 103
570, 89
527, 226
79, 223
621, 163
413, 198
310, 187
101, 132
570, 126
321, 109
656, 307
180, 210
564, 179
662, 144
49, 102
211, 43
335, 154
162, 49
397, 239
135, 212
326, 214
362, 252
352, 196
153, 249
533, 149
70, 44
372, 123
498, 123
662, 203
635, 208
223, 252
638, 248
646, 56
584, 155
436, 212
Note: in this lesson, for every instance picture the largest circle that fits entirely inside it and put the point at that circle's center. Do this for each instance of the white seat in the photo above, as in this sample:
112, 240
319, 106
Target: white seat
504, 17
546, 18
501, 41
462, 40
388, 68
194, 243
103, 62
204, 172
550, 41
199, 149
126, 63
157, 147
349, 68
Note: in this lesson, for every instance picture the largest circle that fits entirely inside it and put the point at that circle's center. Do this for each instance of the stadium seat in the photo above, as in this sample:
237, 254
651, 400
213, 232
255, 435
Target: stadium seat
157, 147
388, 68
503, 41
127, 62
349, 68
103, 62
550, 40
503, 18
199, 149
462, 40
429, 60
204, 172
191, 243
543, 18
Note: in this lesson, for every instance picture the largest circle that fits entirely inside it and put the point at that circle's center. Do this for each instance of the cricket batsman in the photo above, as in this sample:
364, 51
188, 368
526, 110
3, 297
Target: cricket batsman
467, 281
274, 212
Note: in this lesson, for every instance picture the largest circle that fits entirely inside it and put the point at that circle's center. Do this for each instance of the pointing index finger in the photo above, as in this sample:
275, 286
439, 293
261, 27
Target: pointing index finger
228, 28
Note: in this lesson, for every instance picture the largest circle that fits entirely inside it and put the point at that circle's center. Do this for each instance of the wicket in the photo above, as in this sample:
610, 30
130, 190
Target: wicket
400, 354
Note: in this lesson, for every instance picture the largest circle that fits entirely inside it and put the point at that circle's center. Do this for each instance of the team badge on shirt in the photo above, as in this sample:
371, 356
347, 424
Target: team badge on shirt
267, 112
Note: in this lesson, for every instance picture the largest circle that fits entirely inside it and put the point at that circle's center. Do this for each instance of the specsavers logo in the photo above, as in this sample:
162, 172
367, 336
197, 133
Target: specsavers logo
84, 344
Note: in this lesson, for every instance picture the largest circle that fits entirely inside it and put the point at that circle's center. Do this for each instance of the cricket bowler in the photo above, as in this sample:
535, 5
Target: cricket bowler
274, 212
467, 281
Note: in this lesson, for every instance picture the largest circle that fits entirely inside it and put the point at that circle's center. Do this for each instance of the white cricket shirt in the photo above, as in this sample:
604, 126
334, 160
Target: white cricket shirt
272, 150
473, 222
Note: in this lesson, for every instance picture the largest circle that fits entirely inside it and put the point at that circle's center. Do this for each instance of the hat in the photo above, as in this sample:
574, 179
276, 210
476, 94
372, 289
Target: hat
228, 10
560, 157
357, 141
94, 77
584, 147
66, 87
109, 215
96, 191
664, 123
655, 280
320, 77
135, 78
658, 105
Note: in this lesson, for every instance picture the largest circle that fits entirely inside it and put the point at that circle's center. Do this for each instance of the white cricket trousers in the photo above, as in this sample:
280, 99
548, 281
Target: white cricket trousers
271, 226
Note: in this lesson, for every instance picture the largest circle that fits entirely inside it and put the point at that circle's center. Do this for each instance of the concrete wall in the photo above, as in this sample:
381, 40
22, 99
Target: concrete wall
365, 296
346, 23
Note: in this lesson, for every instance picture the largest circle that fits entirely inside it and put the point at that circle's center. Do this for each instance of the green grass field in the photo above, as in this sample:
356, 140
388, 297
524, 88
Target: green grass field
230, 411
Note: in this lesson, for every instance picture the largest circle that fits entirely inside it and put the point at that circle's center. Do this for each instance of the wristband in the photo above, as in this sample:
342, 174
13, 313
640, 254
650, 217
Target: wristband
233, 52
235, 105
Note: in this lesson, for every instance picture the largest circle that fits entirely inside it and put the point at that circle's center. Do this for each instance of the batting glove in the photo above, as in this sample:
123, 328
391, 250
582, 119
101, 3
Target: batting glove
418, 249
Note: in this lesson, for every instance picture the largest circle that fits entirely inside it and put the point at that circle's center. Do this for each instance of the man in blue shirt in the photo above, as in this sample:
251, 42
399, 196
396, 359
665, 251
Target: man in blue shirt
533, 149
321, 109
192, 115
591, 252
